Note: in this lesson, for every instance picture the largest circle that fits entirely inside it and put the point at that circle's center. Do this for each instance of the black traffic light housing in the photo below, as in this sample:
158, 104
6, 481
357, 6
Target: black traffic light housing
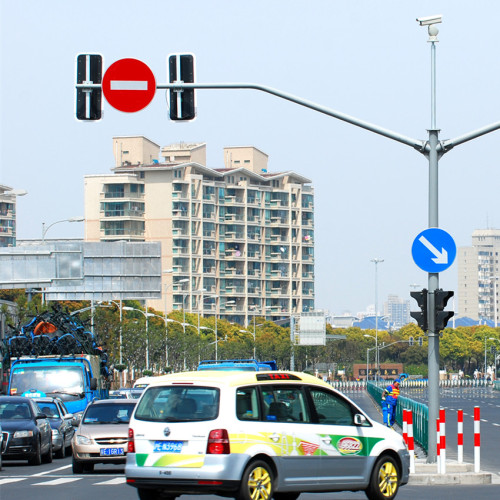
441, 298
89, 101
411, 341
420, 316
182, 101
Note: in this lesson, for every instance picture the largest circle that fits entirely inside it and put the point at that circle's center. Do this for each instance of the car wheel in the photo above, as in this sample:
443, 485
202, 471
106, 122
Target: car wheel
286, 496
47, 458
61, 453
36, 459
77, 466
384, 481
257, 482
88, 467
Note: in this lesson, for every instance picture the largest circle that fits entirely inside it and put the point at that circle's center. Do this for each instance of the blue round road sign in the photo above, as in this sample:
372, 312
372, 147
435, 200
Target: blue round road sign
434, 250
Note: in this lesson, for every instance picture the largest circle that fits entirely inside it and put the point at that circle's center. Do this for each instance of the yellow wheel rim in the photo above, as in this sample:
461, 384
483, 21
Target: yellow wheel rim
388, 479
259, 484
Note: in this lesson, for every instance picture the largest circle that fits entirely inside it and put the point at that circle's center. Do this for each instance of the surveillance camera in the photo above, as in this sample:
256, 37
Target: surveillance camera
426, 21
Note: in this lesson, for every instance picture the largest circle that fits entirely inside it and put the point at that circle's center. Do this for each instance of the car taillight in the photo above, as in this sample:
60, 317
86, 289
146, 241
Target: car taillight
218, 442
131, 444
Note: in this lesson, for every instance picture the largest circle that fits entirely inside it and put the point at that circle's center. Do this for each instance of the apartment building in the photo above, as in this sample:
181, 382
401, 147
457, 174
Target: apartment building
397, 311
237, 241
478, 273
8, 215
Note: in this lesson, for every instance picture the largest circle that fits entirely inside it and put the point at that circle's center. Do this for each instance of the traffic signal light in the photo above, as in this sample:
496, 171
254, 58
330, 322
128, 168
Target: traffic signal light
410, 341
182, 102
441, 298
420, 341
493, 349
89, 101
420, 316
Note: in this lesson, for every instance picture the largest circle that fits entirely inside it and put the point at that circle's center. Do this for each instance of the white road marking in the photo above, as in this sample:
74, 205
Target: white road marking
55, 482
111, 482
52, 470
8, 480
128, 85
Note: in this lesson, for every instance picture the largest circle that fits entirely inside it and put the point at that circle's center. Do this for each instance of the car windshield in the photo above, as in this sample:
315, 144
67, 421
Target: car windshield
108, 414
14, 411
178, 404
50, 409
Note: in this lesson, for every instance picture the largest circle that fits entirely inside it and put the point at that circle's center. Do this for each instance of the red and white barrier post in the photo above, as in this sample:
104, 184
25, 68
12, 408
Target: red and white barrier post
442, 418
405, 426
411, 443
438, 446
477, 439
460, 436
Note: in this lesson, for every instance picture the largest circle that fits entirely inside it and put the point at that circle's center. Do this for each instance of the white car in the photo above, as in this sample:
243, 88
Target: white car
258, 435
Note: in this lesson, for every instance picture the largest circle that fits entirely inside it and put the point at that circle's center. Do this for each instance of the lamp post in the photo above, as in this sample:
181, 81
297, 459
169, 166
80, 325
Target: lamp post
185, 280
71, 219
146, 315
485, 360
367, 351
376, 262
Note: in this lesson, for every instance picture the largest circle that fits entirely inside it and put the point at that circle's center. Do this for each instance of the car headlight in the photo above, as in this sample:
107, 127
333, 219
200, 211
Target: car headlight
23, 434
83, 439
55, 432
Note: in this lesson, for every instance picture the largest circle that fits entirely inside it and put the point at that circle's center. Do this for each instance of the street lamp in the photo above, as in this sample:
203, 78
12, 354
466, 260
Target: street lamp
71, 219
376, 262
368, 350
146, 315
185, 280
485, 361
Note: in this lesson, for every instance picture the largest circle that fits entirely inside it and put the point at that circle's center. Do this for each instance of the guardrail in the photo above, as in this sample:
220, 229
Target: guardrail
420, 413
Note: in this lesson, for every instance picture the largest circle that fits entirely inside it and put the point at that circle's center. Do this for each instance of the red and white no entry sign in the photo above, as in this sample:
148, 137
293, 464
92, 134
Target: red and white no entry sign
128, 85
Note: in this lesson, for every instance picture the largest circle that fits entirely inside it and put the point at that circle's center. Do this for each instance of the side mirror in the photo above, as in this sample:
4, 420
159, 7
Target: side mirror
93, 384
359, 419
68, 416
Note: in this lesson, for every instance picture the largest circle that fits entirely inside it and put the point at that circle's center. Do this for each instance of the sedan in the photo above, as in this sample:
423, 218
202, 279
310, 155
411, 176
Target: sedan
61, 422
26, 431
102, 436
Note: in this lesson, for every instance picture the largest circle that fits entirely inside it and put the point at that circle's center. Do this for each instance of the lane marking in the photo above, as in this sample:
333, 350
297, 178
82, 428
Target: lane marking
8, 480
55, 482
112, 482
52, 470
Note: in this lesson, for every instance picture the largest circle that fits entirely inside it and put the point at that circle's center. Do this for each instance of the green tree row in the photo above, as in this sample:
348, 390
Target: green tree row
174, 346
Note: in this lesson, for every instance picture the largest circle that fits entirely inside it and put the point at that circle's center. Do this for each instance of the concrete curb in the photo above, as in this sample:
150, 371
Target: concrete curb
426, 474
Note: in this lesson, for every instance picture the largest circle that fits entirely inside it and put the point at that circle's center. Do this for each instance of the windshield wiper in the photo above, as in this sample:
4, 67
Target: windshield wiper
78, 394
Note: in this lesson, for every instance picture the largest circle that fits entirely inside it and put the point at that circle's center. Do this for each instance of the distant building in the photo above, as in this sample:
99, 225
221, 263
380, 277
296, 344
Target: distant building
237, 241
478, 274
397, 311
8, 215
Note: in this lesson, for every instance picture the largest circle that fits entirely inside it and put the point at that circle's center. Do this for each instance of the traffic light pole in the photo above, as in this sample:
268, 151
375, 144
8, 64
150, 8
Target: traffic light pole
433, 149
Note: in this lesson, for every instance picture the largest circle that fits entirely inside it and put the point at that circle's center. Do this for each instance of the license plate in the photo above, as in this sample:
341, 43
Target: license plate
168, 446
111, 452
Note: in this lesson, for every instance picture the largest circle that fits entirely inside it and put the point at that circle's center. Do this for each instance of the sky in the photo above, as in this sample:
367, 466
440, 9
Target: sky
367, 59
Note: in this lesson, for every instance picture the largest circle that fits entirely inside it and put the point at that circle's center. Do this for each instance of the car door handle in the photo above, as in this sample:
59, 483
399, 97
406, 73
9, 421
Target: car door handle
327, 440
275, 437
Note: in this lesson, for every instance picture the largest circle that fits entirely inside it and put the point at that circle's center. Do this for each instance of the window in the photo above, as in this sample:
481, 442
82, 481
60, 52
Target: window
331, 409
284, 404
247, 405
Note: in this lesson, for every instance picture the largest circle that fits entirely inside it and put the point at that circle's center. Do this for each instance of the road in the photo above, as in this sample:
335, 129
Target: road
56, 481
453, 399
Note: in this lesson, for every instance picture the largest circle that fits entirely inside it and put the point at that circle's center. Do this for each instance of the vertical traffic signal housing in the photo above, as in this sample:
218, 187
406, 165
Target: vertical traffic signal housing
182, 101
441, 298
421, 316
88, 101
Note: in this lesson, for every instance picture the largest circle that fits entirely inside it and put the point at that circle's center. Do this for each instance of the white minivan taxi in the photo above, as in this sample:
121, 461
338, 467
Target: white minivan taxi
258, 435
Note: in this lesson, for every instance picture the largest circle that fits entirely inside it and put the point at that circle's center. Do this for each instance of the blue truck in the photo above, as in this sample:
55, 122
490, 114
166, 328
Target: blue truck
76, 379
251, 365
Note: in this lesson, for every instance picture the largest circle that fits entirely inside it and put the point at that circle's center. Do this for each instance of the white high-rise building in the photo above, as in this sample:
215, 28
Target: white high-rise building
237, 241
478, 273
397, 311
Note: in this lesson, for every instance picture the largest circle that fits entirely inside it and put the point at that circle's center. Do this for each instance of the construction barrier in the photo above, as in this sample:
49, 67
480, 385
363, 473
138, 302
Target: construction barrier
477, 439
442, 442
438, 445
460, 436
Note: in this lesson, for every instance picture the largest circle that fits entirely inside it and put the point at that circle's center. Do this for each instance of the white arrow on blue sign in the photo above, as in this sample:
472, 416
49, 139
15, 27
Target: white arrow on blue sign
434, 250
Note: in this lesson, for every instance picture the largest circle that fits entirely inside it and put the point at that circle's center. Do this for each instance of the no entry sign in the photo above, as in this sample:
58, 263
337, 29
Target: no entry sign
129, 85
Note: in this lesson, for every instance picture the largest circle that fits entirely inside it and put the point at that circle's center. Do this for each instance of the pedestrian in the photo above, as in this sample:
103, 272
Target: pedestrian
389, 403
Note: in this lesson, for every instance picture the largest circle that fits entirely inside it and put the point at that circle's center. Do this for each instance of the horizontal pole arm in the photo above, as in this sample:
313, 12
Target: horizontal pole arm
451, 143
414, 143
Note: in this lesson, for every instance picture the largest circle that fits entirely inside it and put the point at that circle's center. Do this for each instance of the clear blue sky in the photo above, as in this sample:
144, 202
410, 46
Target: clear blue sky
368, 59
